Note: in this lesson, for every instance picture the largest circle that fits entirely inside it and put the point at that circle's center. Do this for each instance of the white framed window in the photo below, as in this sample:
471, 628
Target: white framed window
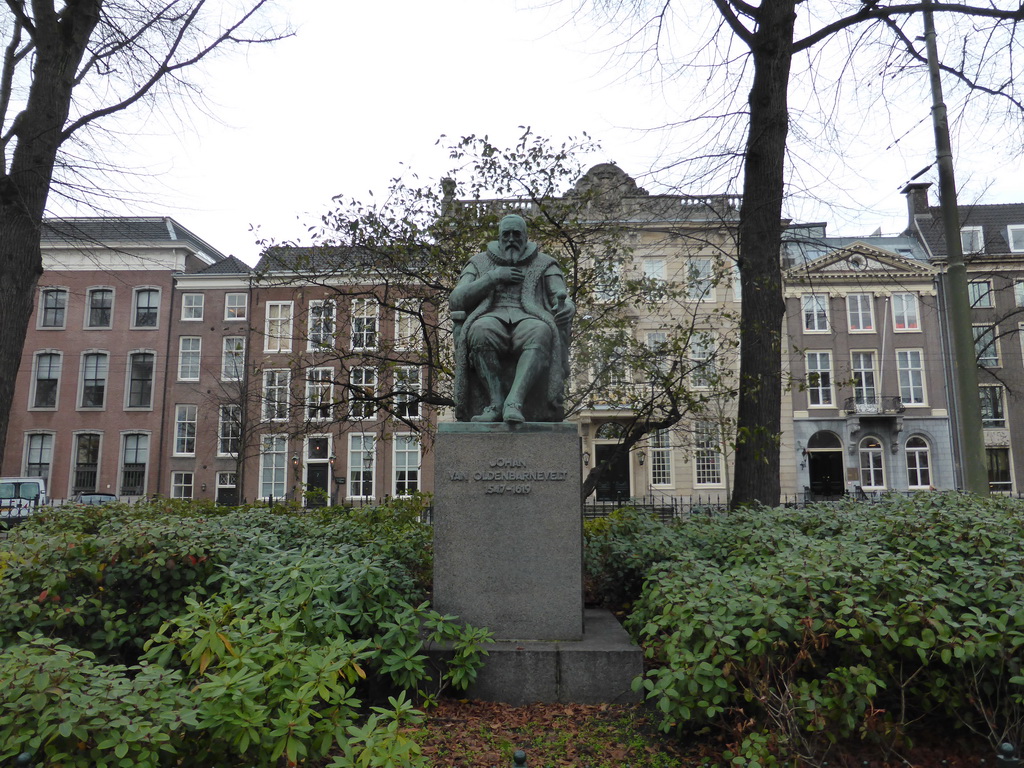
660, 445
872, 464
273, 466
192, 305
406, 463
278, 332
864, 377
819, 379
700, 279
993, 409
236, 306
319, 394
702, 371
232, 361
182, 485
134, 461
229, 430
986, 346
1018, 293
1000, 479
972, 239
85, 477
408, 324
145, 307
322, 318
99, 309
53, 308
906, 315
815, 311
190, 355
94, 380
707, 456
654, 268
46, 379
364, 324
39, 455
362, 393
910, 371
919, 469
980, 294
1015, 237
737, 285
657, 342
362, 464
407, 391
860, 311
227, 485
275, 394
140, 380
186, 417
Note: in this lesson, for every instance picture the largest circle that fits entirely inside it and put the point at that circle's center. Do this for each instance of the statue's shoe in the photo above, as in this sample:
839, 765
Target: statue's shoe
512, 413
490, 413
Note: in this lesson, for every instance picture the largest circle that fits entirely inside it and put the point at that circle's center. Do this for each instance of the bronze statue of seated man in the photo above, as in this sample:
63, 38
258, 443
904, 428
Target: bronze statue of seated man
512, 315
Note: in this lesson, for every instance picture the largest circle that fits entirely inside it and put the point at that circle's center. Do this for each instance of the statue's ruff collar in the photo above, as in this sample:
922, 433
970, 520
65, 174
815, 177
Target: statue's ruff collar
499, 258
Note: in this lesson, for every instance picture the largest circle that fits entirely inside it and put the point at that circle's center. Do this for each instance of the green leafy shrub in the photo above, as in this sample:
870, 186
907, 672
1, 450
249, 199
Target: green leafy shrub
267, 637
810, 626
59, 701
620, 550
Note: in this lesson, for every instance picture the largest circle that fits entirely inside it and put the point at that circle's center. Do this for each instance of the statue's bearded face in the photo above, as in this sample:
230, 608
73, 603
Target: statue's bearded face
513, 240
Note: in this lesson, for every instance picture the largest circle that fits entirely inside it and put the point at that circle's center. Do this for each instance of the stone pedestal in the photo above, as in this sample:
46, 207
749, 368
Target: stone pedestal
508, 529
508, 555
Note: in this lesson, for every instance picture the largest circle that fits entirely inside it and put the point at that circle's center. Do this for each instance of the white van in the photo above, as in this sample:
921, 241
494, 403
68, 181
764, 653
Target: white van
19, 496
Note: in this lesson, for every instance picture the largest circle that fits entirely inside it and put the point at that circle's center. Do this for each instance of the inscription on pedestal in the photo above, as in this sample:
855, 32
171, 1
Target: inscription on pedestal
508, 529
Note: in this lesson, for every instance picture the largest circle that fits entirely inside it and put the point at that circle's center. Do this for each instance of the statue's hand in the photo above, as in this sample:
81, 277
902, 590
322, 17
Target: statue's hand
563, 310
508, 275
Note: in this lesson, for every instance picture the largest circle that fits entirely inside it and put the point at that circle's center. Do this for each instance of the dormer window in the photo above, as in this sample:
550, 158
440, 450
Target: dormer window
972, 239
1015, 236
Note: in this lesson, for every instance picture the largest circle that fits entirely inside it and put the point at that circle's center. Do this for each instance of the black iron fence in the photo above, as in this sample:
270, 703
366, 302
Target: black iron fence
674, 507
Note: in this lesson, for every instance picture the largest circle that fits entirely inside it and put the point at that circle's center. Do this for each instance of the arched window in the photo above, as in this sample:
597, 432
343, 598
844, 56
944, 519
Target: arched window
872, 472
919, 465
609, 431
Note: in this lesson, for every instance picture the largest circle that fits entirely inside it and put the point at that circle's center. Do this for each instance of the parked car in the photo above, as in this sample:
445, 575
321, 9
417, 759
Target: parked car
19, 496
94, 499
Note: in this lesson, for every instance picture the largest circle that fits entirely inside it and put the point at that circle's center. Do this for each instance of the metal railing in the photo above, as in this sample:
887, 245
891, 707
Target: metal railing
874, 405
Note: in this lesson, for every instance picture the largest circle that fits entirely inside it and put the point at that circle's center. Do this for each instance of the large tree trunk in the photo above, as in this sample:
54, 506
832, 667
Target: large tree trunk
20, 267
760, 236
60, 42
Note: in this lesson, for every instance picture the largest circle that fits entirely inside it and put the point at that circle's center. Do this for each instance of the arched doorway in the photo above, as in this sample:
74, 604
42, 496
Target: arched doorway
614, 482
825, 465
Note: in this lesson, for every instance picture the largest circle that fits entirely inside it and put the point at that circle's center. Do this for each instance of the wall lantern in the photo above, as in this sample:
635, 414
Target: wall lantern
640, 457
586, 458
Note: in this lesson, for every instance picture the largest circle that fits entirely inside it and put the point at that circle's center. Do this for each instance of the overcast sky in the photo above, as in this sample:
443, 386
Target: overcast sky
364, 90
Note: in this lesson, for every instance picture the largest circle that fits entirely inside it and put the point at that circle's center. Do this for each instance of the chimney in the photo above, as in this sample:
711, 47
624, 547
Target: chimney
917, 200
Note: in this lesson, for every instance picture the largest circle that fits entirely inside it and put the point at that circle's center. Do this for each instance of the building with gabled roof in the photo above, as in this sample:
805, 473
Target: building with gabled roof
97, 386
870, 410
992, 238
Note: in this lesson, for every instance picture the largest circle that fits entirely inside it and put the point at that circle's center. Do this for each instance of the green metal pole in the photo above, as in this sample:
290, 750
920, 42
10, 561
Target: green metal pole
972, 437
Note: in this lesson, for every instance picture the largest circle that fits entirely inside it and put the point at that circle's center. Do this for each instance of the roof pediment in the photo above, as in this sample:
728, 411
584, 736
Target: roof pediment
858, 261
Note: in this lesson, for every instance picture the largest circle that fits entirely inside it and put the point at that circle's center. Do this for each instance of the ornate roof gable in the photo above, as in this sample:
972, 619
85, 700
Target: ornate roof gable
861, 262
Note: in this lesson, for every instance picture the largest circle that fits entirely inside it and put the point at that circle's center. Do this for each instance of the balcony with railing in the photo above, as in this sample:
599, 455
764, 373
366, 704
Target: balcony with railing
874, 405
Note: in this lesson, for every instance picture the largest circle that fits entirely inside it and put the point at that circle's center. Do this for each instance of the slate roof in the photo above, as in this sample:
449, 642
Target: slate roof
323, 259
124, 230
229, 266
992, 218
804, 243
